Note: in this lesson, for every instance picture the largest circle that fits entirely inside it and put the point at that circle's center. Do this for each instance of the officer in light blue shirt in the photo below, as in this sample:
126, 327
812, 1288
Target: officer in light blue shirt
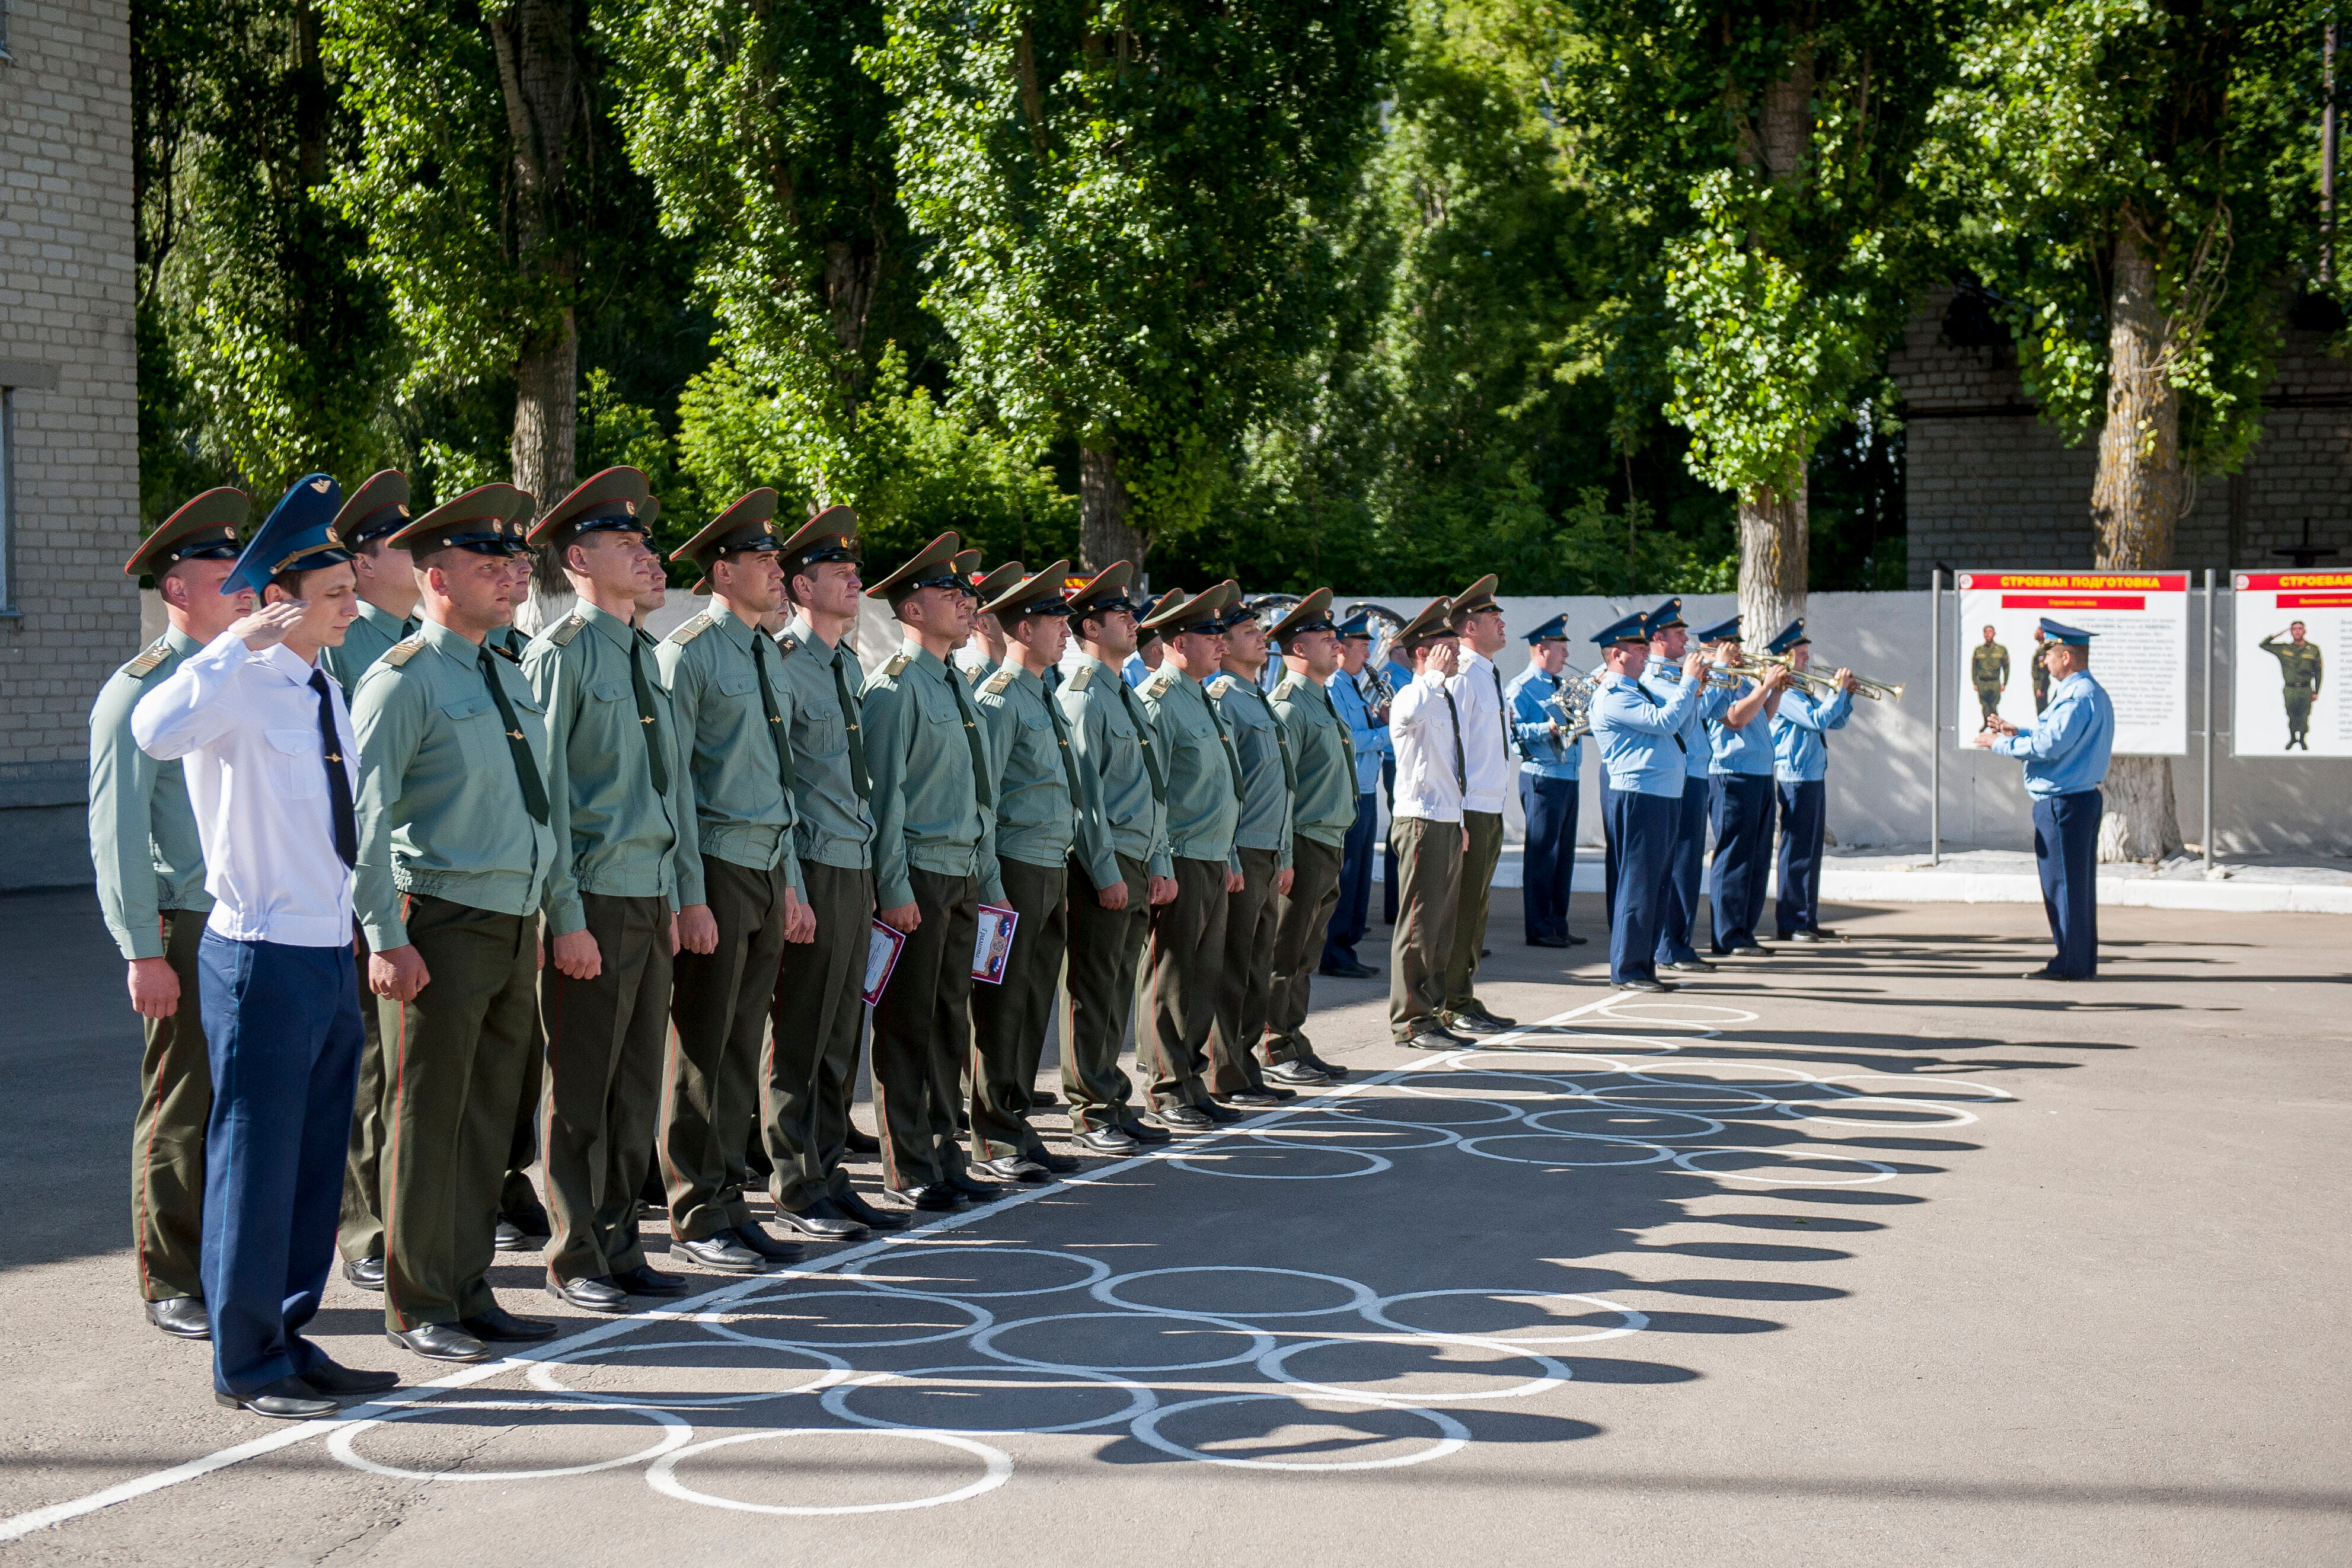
1643, 764
1669, 637
1740, 799
1801, 761
1354, 697
1399, 677
1549, 756
2065, 752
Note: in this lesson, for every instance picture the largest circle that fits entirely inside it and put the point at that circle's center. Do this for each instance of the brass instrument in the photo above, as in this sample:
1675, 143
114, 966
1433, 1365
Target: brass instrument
1820, 685
1721, 679
1376, 665
1572, 706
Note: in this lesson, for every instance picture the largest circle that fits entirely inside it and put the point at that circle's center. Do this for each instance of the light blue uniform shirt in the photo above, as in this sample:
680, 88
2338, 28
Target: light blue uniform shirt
1370, 740
1697, 755
1637, 730
1542, 753
1800, 755
2066, 749
1135, 670
1747, 750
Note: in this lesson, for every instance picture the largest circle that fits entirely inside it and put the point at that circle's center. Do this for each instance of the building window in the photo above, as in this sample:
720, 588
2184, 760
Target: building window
8, 498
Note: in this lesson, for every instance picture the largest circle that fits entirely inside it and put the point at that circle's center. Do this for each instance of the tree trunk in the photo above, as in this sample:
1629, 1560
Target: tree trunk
2135, 505
1773, 540
1105, 535
546, 432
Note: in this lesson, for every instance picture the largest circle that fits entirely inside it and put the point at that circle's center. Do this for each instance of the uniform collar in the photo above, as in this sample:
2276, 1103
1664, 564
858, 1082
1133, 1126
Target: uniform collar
740, 630
617, 631
1470, 657
383, 620
286, 663
180, 642
463, 649
925, 658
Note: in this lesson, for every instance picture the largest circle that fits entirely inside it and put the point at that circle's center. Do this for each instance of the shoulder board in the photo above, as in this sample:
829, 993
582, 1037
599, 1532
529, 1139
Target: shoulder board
972, 673
898, 664
400, 653
152, 654
1222, 689
789, 644
998, 684
1156, 686
563, 630
1288, 688
1077, 681
694, 627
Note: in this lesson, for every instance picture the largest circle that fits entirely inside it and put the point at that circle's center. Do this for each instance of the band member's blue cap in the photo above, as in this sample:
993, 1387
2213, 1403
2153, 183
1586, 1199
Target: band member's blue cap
1793, 635
1664, 618
2073, 636
1635, 627
1721, 632
1553, 631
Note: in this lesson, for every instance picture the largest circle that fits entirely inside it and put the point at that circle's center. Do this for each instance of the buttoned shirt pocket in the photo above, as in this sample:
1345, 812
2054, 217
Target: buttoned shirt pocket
609, 691
823, 732
475, 722
297, 772
735, 682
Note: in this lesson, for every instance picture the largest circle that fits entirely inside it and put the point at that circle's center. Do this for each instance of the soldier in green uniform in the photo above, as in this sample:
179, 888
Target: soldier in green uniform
985, 654
523, 1223
455, 860
1111, 737
2041, 672
2301, 667
1048, 818
934, 863
386, 582
151, 890
1988, 673
1204, 806
1323, 809
621, 802
816, 1014
1262, 846
741, 903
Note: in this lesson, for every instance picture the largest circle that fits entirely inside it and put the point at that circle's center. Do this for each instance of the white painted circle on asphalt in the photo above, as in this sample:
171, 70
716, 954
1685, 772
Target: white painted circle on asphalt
1139, 1398
1630, 1321
1811, 1111
1880, 1172
1549, 1375
1348, 1109
1260, 1342
1453, 1436
662, 1475
712, 1323
1543, 1121
1580, 1146
1373, 1164
1360, 1295
1095, 1269
542, 1375
342, 1442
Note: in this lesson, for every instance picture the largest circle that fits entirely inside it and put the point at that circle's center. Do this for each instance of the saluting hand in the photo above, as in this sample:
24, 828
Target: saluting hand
270, 623
577, 956
398, 973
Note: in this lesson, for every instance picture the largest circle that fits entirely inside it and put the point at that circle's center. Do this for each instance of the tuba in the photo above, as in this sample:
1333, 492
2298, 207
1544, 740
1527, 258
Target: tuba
1376, 667
1572, 706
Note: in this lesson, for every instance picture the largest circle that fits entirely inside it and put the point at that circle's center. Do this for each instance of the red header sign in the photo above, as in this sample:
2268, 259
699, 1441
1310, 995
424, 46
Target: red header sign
2332, 583
2076, 583
2073, 602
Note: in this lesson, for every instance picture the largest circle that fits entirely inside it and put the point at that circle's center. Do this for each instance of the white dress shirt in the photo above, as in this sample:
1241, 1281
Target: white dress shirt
247, 726
1485, 747
1421, 728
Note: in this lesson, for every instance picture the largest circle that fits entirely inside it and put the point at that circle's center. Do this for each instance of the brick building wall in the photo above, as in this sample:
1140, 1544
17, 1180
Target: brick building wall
1990, 486
67, 370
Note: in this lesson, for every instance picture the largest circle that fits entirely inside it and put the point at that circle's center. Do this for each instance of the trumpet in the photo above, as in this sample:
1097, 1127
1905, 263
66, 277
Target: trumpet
1822, 686
1717, 676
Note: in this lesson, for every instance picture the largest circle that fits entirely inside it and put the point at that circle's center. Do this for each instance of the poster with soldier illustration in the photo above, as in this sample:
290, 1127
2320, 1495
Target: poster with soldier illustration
2140, 652
2292, 643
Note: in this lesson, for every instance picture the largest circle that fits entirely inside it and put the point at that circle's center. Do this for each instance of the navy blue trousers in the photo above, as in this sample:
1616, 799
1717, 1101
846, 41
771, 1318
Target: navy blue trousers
282, 1025
1388, 849
1548, 863
2065, 850
1608, 850
1352, 916
1643, 828
1799, 905
1741, 805
1680, 918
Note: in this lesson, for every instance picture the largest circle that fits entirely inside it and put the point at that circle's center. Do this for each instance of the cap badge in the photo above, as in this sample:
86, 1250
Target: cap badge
321, 485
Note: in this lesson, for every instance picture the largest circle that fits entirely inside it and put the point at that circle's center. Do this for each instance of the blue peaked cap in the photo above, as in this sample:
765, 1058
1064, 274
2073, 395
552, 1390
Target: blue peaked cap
1793, 635
1721, 632
1553, 631
298, 535
2073, 636
1358, 625
1634, 627
1664, 618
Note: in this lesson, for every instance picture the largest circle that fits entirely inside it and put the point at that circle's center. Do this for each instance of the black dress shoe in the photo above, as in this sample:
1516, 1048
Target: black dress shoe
1252, 1100
857, 1143
1180, 1119
496, 1325
855, 1207
1330, 1069
512, 1238
1550, 942
936, 1198
1435, 1039
1690, 966
1112, 1142
183, 1317
1576, 941
1059, 1164
367, 1273
590, 1295
1144, 1132
2046, 974
755, 1239
1348, 971
288, 1399
651, 1193
440, 1341
820, 1220
1478, 1019
1218, 1113
721, 1252
1279, 1093
1012, 1167
1043, 1099
1296, 1075
978, 1191
531, 1224
1643, 985
342, 1381
646, 1280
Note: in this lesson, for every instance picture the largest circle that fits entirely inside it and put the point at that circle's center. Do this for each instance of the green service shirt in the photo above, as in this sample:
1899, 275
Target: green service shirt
1263, 747
922, 741
1989, 664
1323, 760
744, 813
365, 641
625, 840
1112, 738
142, 832
1046, 805
2300, 664
1205, 775
837, 823
440, 805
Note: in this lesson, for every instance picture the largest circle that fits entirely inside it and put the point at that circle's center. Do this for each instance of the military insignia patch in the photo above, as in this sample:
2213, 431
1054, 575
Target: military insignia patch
154, 653
898, 664
789, 644
1086, 672
1156, 686
1222, 689
563, 630
998, 684
692, 629
400, 653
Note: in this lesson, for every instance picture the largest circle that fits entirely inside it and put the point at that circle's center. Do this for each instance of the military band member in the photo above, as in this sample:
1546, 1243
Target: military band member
1426, 829
1478, 688
1669, 638
150, 865
523, 1224
270, 764
1396, 669
455, 860
1112, 738
1262, 846
1642, 738
1988, 673
1364, 711
741, 903
621, 801
1048, 821
2065, 755
934, 864
1551, 760
2300, 669
1800, 768
818, 1016
1324, 804
1740, 797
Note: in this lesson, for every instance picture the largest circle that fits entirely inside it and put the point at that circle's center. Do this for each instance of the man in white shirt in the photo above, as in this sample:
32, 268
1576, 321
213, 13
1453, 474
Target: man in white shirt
1425, 830
272, 769
1477, 689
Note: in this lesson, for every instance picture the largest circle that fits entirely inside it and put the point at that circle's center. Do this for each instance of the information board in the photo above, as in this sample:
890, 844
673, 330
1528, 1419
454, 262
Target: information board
2140, 652
2292, 643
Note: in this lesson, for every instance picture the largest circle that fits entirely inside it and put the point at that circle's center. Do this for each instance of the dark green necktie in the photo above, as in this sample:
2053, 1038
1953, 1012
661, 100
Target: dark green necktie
1461, 773
1233, 758
857, 773
971, 735
1069, 763
534, 792
775, 715
1143, 734
648, 717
